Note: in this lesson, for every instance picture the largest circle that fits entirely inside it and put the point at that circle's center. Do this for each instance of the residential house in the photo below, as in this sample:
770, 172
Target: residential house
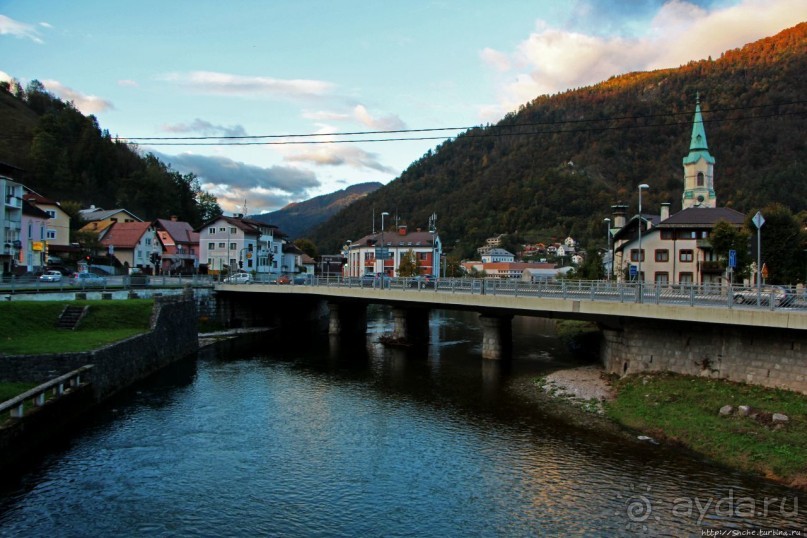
57, 234
231, 243
510, 270
382, 252
97, 214
131, 245
498, 255
10, 219
675, 249
179, 246
33, 251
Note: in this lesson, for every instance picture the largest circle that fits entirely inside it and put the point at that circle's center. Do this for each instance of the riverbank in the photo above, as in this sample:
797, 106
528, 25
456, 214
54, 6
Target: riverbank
746, 427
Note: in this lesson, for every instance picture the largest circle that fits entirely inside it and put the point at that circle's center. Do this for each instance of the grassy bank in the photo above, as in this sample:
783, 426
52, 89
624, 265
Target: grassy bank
30, 327
686, 409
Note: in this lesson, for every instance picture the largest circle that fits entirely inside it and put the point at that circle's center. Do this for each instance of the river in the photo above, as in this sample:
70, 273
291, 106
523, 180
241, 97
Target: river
263, 437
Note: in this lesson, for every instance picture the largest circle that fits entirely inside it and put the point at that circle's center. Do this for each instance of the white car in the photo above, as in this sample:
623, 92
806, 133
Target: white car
241, 277
51, 276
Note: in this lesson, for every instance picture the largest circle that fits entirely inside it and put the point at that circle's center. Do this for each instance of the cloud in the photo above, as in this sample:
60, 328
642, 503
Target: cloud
553, 59
9, 26
234, 175
205, 128
126, 83
5, 77
321, 115
229, 84
340, 155
385, 123
87, 104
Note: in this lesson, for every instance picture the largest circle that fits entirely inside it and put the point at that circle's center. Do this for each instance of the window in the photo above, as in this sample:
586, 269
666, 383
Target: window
232, 246
222, 245
211, 246
211, 231
51, 213
662, 255
233, 230
662, 278
634, 254
685, 256
666, 234
700, 179
148, 241
222, 229
685, 278
51, 234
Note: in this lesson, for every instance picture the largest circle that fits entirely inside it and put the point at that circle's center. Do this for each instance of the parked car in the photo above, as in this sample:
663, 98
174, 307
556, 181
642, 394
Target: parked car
51, 276
423, 281
86, 280
781, 296
303, 279
241, 277
284, 279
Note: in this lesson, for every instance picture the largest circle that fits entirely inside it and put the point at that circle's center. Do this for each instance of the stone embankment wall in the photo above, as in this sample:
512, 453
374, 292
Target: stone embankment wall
774, 358
173, 335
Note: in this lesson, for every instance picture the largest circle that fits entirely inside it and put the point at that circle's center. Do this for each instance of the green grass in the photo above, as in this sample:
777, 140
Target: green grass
8, 389
30, 327
685, 409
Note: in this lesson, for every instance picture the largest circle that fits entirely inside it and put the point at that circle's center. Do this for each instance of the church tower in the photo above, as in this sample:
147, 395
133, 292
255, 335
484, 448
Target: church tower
699, 189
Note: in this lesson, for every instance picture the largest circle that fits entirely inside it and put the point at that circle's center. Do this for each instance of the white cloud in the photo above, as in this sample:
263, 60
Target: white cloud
5, 77
321, 115
339, 155
87, 104
229, 84
205, 128
127, 83
9, 26
385, 123
552, 60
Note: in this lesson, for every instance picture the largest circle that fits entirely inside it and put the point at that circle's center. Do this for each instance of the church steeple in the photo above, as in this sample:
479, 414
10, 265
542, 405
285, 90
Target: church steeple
698, 167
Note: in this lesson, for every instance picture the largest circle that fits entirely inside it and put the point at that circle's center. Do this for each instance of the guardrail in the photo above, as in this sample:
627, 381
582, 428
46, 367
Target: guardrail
27, 284
37, 396
706, 295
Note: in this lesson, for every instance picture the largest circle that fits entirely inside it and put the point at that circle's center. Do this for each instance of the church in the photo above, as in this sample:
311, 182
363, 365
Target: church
675, 249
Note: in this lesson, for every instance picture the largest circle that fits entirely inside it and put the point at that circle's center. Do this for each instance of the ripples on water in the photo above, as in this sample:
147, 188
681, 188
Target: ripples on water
309, 440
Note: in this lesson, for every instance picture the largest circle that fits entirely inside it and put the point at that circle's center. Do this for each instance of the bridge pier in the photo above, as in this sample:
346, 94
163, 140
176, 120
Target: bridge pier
497, 336
411, 324
347, 319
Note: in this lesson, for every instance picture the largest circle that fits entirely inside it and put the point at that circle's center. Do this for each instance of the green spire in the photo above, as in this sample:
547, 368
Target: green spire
697, 146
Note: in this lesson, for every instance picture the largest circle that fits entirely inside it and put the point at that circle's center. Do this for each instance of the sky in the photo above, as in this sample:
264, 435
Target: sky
321, 68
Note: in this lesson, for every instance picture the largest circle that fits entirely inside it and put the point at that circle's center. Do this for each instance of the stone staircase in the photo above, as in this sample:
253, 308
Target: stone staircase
71, 316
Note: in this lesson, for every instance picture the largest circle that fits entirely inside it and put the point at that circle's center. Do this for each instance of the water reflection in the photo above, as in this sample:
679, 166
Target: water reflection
296, 437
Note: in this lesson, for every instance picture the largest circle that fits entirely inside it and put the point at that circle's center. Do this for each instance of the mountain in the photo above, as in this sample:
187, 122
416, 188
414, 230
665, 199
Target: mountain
299, 219
554, 167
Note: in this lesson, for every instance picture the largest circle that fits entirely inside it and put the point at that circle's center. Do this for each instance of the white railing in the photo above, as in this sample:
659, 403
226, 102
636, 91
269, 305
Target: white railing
37, 396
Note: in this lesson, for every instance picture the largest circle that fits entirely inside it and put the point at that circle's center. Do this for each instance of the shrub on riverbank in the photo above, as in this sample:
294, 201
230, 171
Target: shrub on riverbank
686, 409
29, 328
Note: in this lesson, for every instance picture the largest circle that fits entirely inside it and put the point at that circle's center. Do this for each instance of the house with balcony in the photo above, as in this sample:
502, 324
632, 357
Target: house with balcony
130, 245
178, 245
10, 220
57, 235
227, 244
33, 250
675, 249
382, 252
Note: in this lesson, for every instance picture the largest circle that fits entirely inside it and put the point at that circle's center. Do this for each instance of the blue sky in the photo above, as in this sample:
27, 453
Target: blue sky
173, 68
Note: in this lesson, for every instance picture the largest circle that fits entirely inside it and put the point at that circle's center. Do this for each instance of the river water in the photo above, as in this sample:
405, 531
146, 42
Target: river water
259, 437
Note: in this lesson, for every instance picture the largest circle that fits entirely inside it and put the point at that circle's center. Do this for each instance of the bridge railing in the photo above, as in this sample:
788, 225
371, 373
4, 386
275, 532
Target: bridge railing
695, 295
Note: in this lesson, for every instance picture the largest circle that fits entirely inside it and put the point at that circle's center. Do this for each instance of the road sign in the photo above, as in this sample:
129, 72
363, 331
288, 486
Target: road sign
732, 258
634, 271
382, 253
759, 220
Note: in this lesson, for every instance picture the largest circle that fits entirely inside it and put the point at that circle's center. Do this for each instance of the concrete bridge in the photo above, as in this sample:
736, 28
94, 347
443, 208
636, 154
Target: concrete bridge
692, 330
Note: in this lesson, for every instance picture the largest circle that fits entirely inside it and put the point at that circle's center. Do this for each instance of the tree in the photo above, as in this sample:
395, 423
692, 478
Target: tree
725, 237
209, 208
782, 241
408, 265
591, 269
307, 246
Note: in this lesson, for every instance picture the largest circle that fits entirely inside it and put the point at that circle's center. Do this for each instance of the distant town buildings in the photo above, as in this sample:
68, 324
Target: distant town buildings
382, 252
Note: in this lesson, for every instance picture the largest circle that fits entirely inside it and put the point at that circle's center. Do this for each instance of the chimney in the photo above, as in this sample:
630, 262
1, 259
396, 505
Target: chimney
173, 218
665, 211
619, 211
402, 230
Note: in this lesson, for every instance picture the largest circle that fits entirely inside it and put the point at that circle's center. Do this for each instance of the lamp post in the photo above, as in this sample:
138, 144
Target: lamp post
639, 273
382, 251
610, 263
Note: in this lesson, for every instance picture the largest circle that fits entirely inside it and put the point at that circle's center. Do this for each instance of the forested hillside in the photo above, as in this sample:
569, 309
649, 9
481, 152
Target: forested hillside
297, 220
556, 166
66, 156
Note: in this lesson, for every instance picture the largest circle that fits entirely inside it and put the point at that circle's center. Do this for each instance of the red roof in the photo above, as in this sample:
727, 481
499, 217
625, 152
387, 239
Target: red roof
125, 234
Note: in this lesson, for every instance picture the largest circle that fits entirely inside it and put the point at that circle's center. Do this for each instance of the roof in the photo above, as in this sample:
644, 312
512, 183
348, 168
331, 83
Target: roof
248, 226
36, 198
395, 239
179, 231
698, 148
498, 252
702, 217
32, 211
97, 213
125, 234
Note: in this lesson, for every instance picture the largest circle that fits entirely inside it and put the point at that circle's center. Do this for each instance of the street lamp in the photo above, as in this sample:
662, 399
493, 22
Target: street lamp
608, 267
639, 275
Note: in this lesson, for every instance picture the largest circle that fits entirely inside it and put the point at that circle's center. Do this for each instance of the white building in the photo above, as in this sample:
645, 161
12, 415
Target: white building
382, 252
497, 255
232, 243
11, 222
